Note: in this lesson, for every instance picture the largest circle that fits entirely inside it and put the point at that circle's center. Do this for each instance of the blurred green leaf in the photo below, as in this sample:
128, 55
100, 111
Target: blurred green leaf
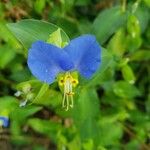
82, 2
125, 90
108, 22
117, 43
147, 2
45, 127
133, 43
88, 145
111, 132
133, 144
128, 74
20, 114
8, 36
39, 6
6, 55
133, 26
20, 75
141, 55
143, 16
8, 102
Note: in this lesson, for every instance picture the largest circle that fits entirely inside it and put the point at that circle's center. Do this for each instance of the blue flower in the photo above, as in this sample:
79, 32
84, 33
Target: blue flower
46, 61
4, 121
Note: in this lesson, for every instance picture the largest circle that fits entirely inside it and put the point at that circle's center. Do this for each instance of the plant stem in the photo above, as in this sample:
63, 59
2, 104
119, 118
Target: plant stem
124, 3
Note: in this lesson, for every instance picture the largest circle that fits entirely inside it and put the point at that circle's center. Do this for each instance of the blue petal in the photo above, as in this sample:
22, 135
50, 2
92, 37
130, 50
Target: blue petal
85, 51
5, 121
46, 60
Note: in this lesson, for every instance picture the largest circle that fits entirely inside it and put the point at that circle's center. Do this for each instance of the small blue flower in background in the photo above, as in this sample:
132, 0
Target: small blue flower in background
4, 121
46, 61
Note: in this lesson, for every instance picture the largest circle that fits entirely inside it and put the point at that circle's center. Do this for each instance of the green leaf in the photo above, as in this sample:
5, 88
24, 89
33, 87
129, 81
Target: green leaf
56, 39
6, 55
85, 111
8, 36
111, 132
21, 113
108, 22
147, 3
30, 30
128, 74
39, 6
117, 43
143, 15
141, 55
133, 26
8, 103
125, 90
41, 92
45, 127
82, 2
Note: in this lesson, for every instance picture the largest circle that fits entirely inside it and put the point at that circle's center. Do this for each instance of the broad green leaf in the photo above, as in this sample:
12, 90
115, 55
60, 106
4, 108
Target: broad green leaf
108, 22
8, 36
29, 30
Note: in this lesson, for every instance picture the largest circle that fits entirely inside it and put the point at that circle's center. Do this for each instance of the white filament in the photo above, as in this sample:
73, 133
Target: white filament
68, 94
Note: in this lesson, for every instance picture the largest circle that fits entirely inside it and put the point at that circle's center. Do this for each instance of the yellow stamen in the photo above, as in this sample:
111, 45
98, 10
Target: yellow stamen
68, 83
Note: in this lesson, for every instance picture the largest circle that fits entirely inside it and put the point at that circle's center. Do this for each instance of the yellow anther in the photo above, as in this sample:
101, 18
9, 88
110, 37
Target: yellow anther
61, 81
75, 82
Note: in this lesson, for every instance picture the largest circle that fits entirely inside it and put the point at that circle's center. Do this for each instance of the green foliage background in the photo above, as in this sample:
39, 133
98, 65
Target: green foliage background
112, 110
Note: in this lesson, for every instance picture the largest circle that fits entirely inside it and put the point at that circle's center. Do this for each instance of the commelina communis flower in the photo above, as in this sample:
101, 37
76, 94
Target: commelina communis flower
46, 61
